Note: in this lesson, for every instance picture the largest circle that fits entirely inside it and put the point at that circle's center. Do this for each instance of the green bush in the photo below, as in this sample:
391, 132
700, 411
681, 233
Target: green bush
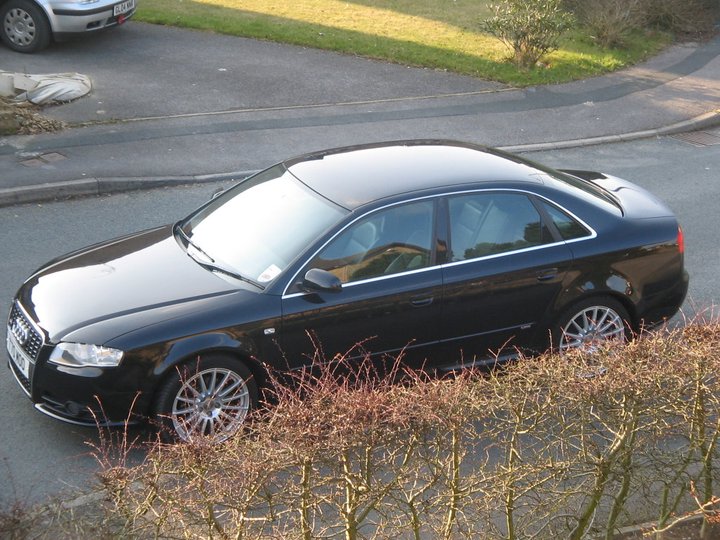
529, 28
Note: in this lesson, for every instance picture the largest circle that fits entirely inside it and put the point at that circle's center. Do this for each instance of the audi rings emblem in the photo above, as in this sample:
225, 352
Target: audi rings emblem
20, 331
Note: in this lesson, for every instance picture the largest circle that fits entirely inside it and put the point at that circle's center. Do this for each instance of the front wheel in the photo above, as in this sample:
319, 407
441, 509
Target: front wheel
24, 26
591, 323
207, 398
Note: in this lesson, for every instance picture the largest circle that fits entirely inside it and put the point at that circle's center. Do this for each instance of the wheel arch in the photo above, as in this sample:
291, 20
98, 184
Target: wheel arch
217, 343
609, 283
555, 315
46, 11
623, 299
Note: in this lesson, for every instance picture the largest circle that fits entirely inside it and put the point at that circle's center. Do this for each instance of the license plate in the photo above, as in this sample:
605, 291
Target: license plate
21, 361
123, 7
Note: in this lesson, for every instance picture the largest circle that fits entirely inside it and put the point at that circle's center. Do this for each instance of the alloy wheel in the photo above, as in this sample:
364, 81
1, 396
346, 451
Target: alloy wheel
591, 327
211, 403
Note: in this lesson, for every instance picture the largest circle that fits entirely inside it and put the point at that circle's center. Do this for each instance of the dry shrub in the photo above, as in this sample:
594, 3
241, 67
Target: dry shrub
691, 17
610, 21
550, 447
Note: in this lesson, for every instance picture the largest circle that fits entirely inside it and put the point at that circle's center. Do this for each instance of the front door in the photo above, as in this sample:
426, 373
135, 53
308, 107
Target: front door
389, 305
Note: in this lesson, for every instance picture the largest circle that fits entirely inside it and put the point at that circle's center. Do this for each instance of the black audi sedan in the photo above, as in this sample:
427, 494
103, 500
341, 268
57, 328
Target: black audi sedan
443, 253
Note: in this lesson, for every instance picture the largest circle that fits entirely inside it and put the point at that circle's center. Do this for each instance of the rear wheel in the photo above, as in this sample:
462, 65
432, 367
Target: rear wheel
24, 26
590, 323
207, 398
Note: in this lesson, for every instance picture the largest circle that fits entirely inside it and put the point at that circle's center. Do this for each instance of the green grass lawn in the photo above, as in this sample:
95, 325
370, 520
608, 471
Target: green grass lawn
439, 34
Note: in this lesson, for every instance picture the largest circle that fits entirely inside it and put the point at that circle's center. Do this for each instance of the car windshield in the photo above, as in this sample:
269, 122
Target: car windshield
259, 227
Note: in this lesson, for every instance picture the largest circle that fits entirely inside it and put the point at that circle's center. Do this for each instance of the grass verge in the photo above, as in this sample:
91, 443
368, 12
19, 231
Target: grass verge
423, 33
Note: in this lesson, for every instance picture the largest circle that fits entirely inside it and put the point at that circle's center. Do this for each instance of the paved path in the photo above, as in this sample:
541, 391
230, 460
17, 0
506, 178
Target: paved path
172, 105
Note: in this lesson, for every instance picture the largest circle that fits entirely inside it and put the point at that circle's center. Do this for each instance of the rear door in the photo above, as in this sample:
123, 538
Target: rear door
506, 267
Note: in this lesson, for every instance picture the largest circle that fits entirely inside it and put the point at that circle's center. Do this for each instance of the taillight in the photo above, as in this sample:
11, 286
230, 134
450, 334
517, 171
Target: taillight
681, 240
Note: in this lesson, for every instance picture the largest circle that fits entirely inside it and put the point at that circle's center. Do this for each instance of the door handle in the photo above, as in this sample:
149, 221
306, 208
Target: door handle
546, 274
421, 301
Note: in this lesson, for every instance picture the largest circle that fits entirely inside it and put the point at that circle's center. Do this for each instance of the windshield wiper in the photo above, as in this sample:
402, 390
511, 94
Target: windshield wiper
211, 264
189, 241
215, 267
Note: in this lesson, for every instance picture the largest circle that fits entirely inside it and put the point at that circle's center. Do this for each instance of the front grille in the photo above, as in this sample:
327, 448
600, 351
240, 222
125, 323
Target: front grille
25, 332
22, 379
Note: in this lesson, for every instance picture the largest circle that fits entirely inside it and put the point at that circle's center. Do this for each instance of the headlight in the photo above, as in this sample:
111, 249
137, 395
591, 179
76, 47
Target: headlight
82, 355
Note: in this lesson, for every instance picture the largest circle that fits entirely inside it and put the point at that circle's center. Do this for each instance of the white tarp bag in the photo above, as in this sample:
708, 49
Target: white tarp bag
51, 87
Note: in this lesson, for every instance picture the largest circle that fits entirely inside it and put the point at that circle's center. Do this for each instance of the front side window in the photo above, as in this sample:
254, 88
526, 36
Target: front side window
390, 241
483, 224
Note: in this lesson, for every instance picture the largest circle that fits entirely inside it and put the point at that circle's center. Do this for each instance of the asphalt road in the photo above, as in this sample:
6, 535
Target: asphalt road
220, 104
41, 457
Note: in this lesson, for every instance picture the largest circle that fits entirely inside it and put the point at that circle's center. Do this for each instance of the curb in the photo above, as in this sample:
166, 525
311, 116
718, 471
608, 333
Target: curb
100, 186
703, 121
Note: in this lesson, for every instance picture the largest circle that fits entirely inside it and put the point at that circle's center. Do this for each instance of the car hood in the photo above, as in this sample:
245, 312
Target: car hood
146, 273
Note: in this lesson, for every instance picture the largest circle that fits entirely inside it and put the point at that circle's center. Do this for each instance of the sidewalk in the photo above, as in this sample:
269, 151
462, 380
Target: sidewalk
161, 113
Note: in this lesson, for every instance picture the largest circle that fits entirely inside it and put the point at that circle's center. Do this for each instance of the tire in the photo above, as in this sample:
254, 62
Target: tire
207, 398
25, 27
591, 322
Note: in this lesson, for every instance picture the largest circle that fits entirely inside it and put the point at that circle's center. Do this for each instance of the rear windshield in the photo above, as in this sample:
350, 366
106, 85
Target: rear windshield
588, 187
570, 179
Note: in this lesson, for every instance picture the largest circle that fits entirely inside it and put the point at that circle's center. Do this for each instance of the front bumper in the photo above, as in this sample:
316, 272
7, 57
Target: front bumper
86, 396
80, 399
72, 18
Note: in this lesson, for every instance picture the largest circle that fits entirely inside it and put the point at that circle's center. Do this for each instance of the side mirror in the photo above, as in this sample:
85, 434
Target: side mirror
317, 280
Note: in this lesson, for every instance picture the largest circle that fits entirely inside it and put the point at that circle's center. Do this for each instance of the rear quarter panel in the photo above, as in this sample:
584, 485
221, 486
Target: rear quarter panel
637, 261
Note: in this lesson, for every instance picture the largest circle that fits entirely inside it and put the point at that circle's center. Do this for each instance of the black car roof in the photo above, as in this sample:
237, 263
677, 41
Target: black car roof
357, 175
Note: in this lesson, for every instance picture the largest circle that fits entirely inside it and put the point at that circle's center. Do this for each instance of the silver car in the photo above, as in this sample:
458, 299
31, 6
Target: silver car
30, 25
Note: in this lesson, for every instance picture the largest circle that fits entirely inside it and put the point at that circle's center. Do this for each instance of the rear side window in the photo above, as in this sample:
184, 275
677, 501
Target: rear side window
483, 224
568, 227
